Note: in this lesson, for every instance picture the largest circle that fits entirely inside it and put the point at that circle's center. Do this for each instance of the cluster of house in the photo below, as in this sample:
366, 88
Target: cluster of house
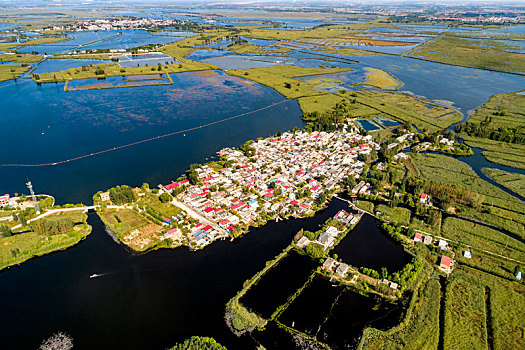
326, 239
429, 146
14, 202
446, 263
285, 176
118, 24
340, 269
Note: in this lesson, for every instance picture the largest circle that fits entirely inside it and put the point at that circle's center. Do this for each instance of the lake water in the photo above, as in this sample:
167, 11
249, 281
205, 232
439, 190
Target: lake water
61, 125
141, 301
104, 39
466, 88
55, 65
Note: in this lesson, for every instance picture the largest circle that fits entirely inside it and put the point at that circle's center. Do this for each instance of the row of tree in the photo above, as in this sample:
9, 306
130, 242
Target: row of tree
484, 130
122, 195
51, 227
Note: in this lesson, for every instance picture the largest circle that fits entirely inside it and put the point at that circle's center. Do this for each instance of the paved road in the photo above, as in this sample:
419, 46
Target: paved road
196, 215
54, 211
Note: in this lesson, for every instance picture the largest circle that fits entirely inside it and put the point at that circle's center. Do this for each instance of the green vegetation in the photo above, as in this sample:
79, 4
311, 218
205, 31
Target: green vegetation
20, 58
497, 207
381, 79
465, 325
513, 181
409, 109
11, 71
483, 309
497, 127
55, 232
486, 54
111, 69
499, 152
365, 205
396, 214
122, 221
122, 195
418, 331
199, 343
282, 78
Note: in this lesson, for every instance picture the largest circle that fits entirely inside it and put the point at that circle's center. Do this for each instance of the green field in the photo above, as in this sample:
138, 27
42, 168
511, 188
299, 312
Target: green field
489, 54
113, 69
11, 71
408, 109
281, 78
122, 221
483, 309
396, 214
497, 128
498, 208
20, 58
513, 181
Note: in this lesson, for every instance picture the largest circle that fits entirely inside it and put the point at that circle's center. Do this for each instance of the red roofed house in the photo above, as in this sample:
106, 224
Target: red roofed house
418, 237
294, 202
207, 228
423, 198
209, 210
269, 195
184, 182
446, 262
237, 206
172, 186
4, 200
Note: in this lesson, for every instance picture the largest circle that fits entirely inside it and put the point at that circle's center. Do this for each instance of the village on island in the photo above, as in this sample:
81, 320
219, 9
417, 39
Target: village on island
292, 174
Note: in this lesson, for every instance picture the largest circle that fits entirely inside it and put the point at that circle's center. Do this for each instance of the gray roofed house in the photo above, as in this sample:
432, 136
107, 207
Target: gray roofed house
342, 269
329, 264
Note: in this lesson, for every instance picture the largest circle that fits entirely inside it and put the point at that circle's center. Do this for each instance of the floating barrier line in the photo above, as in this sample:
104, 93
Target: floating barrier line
142, 141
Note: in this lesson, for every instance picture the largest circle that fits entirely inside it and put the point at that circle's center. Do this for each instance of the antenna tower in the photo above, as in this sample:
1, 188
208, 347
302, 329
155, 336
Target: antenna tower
33, 197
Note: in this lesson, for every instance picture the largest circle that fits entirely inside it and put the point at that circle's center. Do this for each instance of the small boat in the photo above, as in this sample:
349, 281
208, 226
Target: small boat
95, 275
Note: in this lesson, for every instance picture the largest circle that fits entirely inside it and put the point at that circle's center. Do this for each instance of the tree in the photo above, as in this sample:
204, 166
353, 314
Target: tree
192, 174
199, 343
5, 231
165, 197
315, 250
384, 272
58, 341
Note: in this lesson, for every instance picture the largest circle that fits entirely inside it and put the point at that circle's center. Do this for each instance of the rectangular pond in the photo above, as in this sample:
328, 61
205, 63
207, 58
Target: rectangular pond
274, 288
367, 246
